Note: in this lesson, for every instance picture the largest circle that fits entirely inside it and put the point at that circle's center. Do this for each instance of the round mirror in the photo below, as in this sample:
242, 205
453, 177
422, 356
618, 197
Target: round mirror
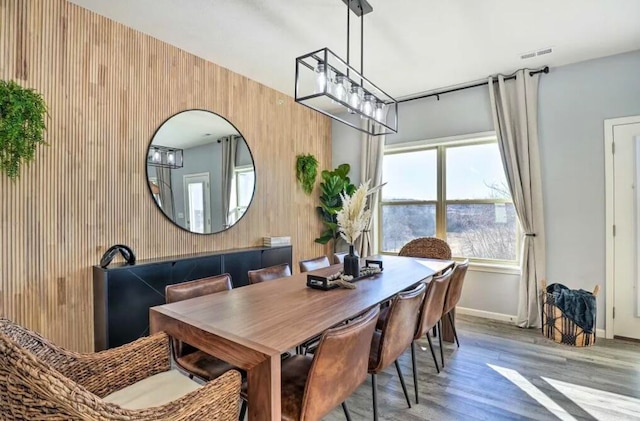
200, 171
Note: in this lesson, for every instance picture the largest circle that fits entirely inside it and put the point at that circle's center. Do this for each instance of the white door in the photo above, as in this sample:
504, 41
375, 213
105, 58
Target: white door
626, 220
197, 202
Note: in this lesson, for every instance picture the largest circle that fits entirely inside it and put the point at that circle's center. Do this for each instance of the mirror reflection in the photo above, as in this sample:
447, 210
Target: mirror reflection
200, 171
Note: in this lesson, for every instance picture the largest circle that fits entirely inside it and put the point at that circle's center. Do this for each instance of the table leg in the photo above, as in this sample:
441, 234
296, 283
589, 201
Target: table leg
263, 383
447, 329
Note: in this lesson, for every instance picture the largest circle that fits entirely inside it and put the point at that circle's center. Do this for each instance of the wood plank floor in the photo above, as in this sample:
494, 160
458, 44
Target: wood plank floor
540, 380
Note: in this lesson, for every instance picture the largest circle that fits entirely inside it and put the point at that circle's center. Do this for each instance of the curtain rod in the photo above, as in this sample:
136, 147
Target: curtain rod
437, 94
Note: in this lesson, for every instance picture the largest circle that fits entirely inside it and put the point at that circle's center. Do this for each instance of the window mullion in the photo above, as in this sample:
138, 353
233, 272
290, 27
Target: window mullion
441, 220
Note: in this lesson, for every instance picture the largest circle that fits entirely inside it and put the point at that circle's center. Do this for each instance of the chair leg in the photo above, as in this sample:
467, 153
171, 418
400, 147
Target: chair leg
415, 369
435, 333
404, 386
453, 326
440, 339
243, 410
374, 387
433, 353
346, 411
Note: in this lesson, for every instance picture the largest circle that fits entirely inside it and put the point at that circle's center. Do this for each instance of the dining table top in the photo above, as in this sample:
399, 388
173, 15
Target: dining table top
275, 316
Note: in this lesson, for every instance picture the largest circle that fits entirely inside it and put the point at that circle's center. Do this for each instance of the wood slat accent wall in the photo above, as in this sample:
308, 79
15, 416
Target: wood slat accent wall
108, 87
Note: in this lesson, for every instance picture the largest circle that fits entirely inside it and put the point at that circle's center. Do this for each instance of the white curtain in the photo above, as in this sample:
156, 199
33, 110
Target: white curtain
229, 146
515, 114
371, 153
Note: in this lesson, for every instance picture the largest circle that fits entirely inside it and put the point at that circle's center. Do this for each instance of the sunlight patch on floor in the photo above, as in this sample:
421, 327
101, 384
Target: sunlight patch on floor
599, 404
516, 378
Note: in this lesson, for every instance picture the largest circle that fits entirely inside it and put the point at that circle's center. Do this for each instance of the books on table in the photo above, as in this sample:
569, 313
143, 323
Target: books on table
276, 241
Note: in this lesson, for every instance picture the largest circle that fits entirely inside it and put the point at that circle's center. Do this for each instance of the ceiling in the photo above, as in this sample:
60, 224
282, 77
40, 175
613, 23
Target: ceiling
192, 128
411, 46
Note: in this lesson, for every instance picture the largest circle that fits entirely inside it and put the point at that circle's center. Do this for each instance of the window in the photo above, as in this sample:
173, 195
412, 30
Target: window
457, 192
241, 192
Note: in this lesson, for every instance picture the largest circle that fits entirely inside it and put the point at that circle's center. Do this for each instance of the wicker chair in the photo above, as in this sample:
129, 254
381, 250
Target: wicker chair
40, 381
427, 247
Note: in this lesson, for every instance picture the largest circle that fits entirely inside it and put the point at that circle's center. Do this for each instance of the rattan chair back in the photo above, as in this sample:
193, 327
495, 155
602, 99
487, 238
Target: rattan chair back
427, 247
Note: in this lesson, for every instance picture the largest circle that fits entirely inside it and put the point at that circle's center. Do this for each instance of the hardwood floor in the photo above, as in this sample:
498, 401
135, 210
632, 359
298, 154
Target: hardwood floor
532, 379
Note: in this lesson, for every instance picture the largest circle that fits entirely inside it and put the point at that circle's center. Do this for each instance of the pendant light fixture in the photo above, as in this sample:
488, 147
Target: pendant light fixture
164, 157
331, 86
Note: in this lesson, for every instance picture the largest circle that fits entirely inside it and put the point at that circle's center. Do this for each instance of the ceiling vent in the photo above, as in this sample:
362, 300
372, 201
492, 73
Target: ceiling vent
538, 53
544, 51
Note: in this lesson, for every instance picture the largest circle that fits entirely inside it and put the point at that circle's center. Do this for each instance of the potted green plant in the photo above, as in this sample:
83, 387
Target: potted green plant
22, 126
306, 171
333, 183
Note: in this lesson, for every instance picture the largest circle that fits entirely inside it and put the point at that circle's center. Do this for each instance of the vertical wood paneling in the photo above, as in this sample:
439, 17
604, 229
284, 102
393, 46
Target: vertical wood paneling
108, 88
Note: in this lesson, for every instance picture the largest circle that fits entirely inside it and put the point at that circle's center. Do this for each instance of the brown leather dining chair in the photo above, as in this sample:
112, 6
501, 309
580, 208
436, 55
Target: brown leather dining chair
453, 295
192, 360
426, 247
339, 257
270, 273
395, 337
313, 386
430, 316
313, 264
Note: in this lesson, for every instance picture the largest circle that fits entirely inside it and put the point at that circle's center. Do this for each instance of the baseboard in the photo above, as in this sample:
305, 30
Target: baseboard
600, 333
486, 314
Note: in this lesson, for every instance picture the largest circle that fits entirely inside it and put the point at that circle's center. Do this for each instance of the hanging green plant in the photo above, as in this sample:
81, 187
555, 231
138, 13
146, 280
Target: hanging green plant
306, 171
22, 126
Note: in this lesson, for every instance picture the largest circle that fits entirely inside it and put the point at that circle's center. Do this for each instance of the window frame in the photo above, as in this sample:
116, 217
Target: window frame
441, 146
236, 171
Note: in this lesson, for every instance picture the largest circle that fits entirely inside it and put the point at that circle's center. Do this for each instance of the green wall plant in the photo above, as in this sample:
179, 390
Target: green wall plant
22, 126
306, 171
333, 183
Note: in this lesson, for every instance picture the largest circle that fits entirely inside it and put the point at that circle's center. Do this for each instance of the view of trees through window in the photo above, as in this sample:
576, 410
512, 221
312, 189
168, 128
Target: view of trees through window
478, 218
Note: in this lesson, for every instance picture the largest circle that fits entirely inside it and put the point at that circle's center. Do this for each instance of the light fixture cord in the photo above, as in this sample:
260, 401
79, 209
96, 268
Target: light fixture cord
348, 32
361, 40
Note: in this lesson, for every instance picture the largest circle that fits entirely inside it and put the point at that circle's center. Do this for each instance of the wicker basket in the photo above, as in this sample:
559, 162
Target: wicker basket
559, 328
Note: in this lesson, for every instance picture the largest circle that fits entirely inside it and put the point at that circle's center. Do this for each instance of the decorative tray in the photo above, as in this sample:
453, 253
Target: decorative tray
371, 268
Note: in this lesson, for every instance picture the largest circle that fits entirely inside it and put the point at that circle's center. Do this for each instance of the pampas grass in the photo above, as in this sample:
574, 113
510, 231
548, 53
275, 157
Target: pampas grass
354, 216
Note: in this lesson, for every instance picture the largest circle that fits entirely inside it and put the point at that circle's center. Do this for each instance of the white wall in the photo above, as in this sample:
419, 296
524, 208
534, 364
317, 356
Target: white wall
574, 101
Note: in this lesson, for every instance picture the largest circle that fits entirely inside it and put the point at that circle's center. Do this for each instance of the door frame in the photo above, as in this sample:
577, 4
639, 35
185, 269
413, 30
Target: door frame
609, 125
207, 197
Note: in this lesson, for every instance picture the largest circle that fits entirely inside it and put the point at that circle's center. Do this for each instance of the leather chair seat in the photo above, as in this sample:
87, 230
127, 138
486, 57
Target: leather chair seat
204, 365
294, 374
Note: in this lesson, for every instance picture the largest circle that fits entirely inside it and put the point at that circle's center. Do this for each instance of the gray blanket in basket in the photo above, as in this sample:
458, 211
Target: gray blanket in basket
577, 304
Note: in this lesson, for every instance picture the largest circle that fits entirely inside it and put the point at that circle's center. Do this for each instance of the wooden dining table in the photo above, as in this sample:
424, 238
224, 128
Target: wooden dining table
250, 327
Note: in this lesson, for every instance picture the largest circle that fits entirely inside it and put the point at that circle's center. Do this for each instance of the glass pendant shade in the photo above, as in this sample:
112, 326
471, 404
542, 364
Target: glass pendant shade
339, 90
321, 78
327, 84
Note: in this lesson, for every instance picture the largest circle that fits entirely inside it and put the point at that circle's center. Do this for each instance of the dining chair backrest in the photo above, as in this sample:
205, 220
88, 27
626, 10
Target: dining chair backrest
426, 247
399, 327
433, 302
193, 289
313, 264
339, 365
455, 287
339, 257
270, 273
